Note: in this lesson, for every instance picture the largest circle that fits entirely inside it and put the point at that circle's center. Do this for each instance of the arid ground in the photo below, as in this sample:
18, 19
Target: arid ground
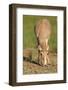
32, 66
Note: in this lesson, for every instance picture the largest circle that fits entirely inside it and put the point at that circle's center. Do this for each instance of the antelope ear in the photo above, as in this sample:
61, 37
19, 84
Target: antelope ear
39, 48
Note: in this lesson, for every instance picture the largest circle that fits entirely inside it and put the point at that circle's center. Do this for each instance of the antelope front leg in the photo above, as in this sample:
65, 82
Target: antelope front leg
47, 49
47, 45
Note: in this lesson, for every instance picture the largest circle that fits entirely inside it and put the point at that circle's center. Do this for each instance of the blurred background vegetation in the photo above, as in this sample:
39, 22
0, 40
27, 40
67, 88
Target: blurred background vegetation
29, 38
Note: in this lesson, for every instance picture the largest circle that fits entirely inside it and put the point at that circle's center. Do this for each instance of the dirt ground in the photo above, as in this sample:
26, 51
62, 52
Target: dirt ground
32, 66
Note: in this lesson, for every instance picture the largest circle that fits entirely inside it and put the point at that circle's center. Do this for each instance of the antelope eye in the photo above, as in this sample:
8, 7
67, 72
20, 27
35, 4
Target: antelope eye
41, 52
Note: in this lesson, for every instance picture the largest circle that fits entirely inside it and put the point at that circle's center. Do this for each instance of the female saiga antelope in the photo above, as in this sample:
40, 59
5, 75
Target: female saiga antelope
43, 31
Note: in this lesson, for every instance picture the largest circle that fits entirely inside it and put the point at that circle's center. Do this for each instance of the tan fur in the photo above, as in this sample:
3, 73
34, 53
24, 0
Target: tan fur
43, 31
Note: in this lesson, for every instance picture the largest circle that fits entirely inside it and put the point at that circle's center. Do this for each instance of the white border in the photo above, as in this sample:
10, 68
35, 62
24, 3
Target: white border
39, 77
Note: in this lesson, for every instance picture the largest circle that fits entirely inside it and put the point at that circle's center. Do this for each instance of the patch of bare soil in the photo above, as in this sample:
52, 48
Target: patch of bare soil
32, 66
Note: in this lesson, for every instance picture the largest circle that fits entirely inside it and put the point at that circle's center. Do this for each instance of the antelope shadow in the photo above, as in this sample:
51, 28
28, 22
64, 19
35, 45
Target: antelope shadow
31, 60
